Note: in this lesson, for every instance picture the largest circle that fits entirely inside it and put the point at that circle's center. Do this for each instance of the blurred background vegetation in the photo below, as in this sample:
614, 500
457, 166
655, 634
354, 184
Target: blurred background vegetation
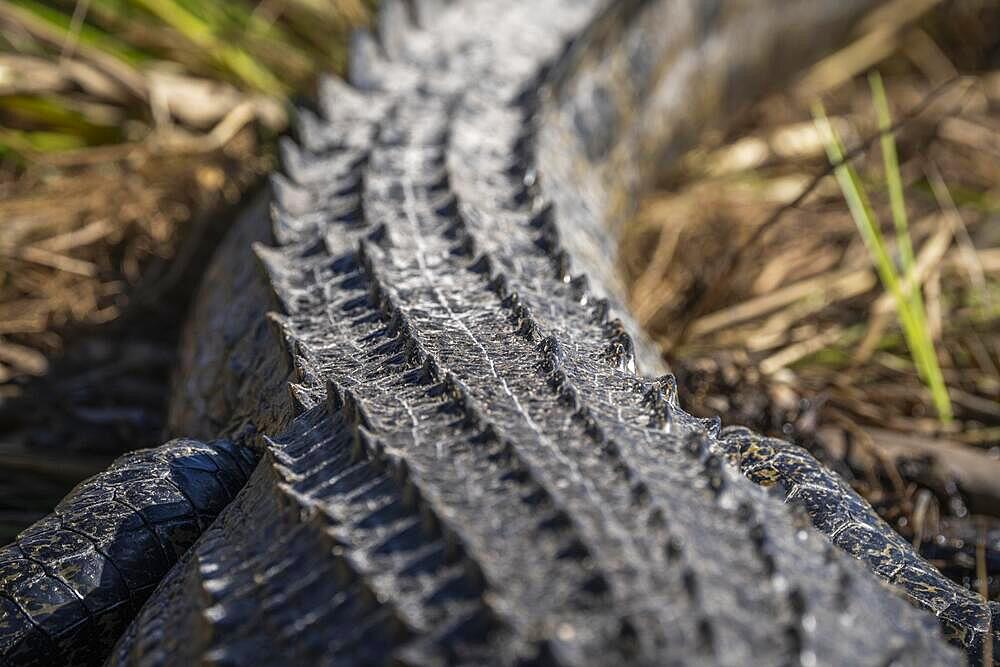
124, 122
747, 268
83, 73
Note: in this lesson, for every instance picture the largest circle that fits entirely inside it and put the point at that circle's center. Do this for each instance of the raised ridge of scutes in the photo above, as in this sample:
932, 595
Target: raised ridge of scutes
335, 507
478, 474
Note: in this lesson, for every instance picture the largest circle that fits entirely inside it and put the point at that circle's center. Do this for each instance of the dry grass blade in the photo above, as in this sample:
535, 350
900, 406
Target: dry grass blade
54, 260
961, 232
823, 288
89, 233
793, 353
880, 38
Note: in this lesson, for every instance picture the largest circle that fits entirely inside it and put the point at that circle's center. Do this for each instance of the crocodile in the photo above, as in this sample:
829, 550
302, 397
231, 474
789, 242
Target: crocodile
458, 447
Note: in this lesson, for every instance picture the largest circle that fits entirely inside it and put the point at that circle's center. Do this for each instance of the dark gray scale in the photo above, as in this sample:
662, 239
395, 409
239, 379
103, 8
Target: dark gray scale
71, 583
853, 526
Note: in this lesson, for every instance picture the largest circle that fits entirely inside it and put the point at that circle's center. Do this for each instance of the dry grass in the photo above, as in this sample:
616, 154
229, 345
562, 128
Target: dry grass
125, 127
779, 320
79, 245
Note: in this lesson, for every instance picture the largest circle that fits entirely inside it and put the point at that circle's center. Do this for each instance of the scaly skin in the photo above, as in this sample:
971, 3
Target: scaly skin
853, 525
468, 468
70, 583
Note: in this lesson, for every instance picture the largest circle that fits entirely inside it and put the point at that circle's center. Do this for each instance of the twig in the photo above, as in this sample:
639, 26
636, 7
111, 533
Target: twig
947, 203
848, 284
922, 507
76, 23
86, 235
54, 260
732, 262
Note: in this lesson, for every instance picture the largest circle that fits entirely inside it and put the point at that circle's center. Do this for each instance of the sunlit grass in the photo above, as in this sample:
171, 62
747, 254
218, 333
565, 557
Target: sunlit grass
909, 304
274, 49
202, 34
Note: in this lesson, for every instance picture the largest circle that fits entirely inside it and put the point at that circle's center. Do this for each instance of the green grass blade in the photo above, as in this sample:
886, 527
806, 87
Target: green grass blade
930, 370
22, 142
890, 160
201, 34
897, 202
86, 34
913, 324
